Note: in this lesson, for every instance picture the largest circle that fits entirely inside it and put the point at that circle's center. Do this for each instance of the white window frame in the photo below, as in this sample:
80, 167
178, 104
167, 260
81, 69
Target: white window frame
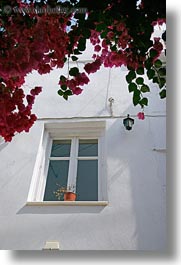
63, 131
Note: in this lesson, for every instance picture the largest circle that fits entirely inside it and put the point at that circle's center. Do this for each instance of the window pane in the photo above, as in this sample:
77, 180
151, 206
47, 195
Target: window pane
61, 148
88, 147
87, 180
57, 178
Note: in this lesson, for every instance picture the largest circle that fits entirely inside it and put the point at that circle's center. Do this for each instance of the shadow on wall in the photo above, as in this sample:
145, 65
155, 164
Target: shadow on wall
108, 255
59, 210
135, 170
2, 145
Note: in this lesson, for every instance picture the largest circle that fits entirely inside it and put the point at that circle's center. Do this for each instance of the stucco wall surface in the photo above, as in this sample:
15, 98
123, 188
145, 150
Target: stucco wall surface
135, 217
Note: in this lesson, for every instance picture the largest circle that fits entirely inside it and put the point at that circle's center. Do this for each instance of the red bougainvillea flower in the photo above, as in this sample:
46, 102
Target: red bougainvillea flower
41, 42
82, 79
93, 67
35, 91
141, 116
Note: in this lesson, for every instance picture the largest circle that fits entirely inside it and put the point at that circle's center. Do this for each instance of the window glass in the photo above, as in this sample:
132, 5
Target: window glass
87, 180
56, 179
61, 148
88, 147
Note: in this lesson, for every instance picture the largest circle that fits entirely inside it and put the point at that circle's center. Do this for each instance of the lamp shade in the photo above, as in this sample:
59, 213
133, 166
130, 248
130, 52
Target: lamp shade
128, 123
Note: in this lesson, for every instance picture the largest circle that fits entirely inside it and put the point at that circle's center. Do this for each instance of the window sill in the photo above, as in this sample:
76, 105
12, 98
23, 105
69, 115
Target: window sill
68, 203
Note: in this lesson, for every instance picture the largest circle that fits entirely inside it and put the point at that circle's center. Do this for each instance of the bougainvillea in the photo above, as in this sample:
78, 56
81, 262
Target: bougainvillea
42, 35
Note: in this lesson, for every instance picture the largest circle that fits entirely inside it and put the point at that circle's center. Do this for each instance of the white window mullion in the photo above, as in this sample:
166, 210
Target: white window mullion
73, 163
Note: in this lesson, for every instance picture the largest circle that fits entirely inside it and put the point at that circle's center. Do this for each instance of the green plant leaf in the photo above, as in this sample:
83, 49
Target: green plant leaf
153, 53
62, 78
145, 88
139, 80
158, 63
130, 76
113, 48
140, 71
74, 58
82, 44
163, 93
60, 92
104, 34
86, 33
77, 52
155, 80
162, 71
63, 87
100, 27
144, 102
65, 97
136, 97
68, 92
132, 87
162, 82
148, 63
150, 73
74, 71
69, 23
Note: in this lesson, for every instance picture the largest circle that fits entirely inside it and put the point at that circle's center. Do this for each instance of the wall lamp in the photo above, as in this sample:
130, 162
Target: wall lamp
128, 123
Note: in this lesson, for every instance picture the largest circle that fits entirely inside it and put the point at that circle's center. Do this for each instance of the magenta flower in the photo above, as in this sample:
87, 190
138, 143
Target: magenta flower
141, 116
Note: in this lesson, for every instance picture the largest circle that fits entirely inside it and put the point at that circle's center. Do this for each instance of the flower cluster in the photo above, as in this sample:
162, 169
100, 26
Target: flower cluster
74, 84
27, 43
15, 113
141, 116
41, 42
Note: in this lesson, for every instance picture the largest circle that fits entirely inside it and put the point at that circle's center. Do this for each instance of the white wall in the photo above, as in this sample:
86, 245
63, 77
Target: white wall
135, 216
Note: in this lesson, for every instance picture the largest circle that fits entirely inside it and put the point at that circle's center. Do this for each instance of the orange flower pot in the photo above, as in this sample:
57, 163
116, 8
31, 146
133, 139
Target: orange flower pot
69, 196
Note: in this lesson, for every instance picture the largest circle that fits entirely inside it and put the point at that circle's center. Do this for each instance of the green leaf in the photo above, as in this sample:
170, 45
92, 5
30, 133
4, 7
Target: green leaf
74, 71
65, 97
63, 87
162, 71
153, 53
86, 33
100, 27
155, 80
145, 88
113, 48
77, 52
62, 78
82, 44
130, 76
163, 93
132, 87
139, 80
69, 23
60, 92
68, 93
140, 71
144, 102
148, 63
74, 58
158, 63
136, 97
162, 82
150, 73
104, 34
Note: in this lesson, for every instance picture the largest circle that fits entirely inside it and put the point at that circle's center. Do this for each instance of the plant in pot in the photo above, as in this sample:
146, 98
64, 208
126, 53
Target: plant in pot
65, 193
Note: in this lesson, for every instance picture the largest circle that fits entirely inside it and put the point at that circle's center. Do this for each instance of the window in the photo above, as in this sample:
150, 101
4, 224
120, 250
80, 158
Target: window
73, 163
71, 157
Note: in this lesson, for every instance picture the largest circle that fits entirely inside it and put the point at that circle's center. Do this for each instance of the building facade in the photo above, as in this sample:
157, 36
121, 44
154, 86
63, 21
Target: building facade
119, 175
